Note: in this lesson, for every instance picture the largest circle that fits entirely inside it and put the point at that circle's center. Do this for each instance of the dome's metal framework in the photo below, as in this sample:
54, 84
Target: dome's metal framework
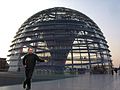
63, 37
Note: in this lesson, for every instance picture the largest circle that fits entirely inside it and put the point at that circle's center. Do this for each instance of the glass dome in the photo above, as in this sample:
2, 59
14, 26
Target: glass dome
64, 38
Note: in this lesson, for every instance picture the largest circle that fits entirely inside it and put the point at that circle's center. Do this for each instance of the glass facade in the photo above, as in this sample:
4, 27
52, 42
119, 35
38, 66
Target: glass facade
64, 38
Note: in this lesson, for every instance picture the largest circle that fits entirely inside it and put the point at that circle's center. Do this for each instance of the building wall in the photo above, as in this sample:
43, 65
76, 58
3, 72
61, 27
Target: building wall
3, 64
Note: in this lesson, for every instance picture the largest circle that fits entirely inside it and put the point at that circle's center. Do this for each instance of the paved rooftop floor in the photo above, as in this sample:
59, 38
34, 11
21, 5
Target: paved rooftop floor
81, 82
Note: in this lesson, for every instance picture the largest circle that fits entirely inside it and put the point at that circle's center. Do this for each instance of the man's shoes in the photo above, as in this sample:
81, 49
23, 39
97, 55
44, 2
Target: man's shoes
27, 88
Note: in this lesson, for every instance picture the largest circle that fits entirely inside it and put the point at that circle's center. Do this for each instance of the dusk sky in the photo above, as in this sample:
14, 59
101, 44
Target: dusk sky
105, 13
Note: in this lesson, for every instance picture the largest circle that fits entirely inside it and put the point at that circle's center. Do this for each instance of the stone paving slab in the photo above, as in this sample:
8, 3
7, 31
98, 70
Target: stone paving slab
82, 82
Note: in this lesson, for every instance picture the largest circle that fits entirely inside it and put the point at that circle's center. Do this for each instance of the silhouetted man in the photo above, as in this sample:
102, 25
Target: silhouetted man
29, 62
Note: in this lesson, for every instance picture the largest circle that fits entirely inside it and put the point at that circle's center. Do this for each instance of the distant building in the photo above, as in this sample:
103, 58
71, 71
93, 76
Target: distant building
3, 64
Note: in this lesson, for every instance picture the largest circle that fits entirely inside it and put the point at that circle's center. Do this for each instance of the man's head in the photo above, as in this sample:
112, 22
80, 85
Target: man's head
30, 50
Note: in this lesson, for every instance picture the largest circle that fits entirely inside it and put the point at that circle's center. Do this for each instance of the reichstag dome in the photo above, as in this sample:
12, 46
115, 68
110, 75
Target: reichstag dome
64, 38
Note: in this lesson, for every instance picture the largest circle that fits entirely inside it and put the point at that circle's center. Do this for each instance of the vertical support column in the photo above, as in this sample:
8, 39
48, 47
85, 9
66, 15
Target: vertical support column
99, 48
96, 54
79, 52
88, 51
89, 56
72, 58
81, 60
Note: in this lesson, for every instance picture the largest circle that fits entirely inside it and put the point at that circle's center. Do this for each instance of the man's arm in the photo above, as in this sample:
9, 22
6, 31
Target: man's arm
39, 59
